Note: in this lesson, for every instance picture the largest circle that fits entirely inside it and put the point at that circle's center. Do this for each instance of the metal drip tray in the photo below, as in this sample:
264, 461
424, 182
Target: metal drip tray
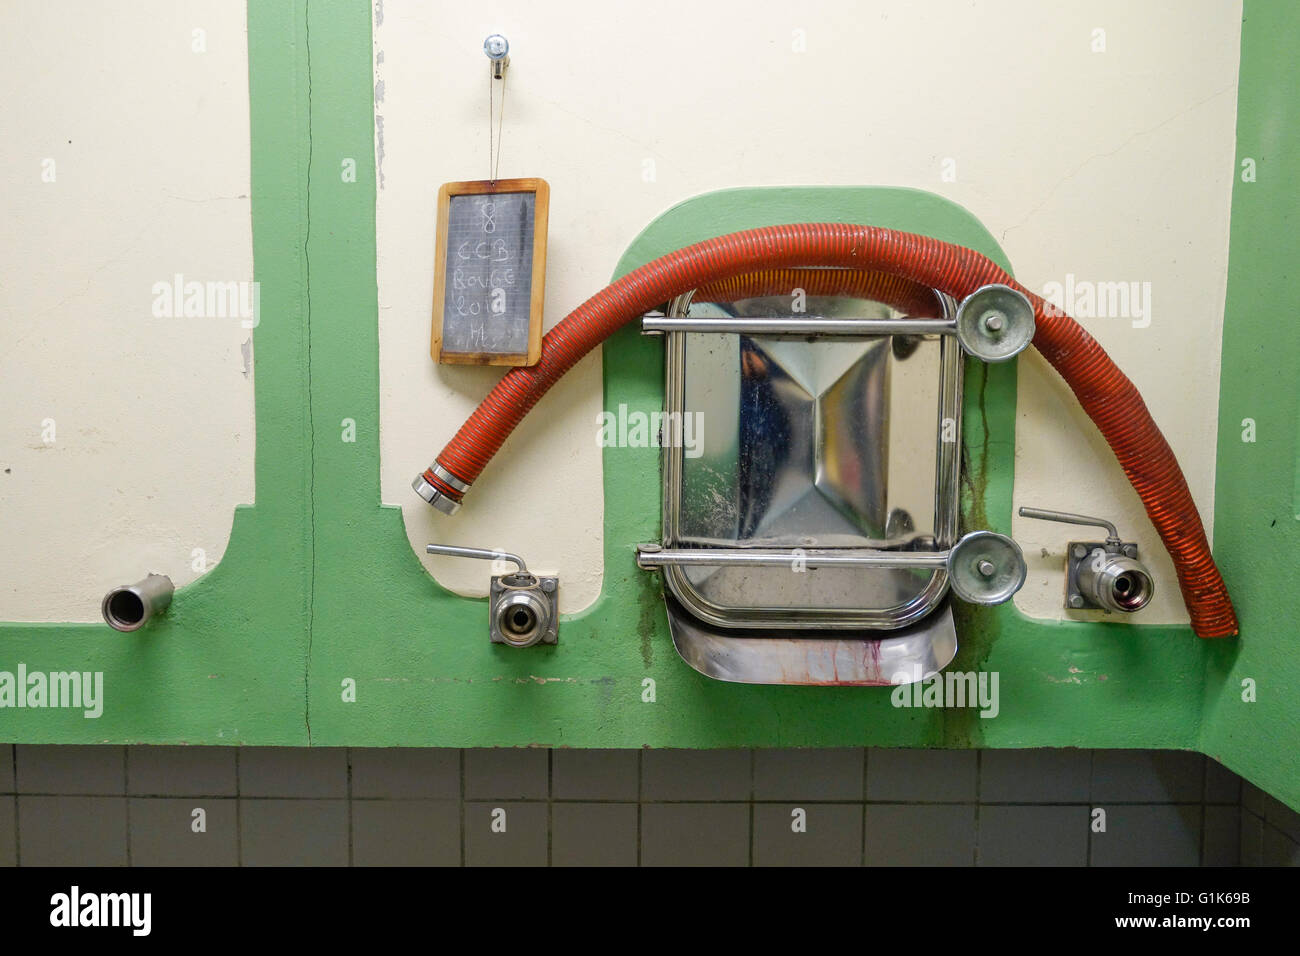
811, 444
823, 658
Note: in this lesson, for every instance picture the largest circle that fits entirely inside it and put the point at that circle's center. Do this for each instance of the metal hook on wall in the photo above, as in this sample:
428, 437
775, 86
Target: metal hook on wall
497, 49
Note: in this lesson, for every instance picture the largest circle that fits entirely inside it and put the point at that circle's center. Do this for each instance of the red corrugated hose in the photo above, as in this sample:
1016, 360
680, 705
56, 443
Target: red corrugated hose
874, 257
912, 299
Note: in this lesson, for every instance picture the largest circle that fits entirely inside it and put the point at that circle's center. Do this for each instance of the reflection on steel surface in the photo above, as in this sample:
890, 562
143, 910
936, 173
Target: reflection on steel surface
812, 443
785, 656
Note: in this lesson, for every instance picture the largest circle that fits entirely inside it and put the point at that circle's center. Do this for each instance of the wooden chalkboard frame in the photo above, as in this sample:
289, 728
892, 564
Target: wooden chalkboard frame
537, 291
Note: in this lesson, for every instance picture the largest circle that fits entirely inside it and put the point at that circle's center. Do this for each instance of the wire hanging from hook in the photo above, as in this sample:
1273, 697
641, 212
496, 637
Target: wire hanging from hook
494, 140
497, 49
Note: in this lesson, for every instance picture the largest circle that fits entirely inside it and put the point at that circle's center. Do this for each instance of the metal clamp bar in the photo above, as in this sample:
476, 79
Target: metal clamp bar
812, 325
652, 556
993, 324
983, 567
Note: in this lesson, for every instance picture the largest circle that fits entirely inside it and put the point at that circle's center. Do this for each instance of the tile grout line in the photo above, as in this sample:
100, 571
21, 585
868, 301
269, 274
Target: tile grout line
640, 760
550, 806
18, 848
1205, 782
1269, 824
351, 854
752, 760
1258, 847
979, 771
866, 755
1092, 770
461, 763
759, 801
239, 818
126, 796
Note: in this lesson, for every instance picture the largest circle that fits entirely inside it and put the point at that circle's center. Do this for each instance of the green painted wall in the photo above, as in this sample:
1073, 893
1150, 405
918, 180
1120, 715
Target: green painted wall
319, 585
1257, 490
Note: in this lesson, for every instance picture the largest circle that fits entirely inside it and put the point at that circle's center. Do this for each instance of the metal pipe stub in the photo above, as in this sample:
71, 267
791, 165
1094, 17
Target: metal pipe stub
130, 607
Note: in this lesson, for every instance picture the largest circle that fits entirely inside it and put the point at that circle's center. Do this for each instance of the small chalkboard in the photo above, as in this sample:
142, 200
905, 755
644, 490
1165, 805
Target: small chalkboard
490, 272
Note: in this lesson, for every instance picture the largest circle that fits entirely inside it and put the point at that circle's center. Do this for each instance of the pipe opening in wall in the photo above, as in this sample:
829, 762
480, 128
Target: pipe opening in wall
125, 610
1115, 582
521, 618
129, 607
1132, 590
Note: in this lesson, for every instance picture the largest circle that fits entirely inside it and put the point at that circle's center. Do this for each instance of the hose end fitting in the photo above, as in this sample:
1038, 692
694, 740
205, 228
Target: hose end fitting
1116, 582
440, 488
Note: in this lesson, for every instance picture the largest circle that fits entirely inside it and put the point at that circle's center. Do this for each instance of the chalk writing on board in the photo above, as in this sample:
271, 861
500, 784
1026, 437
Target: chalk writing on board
487, 304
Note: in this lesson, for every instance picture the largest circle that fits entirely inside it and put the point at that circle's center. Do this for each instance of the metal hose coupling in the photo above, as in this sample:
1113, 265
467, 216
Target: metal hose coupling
440, 488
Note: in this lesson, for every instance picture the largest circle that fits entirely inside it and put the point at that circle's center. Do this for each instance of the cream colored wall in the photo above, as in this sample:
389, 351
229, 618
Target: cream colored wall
1113, 165
126, 439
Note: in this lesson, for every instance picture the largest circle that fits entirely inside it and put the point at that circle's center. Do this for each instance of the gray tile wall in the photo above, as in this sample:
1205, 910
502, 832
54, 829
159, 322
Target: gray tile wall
1270, 831
120, 806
